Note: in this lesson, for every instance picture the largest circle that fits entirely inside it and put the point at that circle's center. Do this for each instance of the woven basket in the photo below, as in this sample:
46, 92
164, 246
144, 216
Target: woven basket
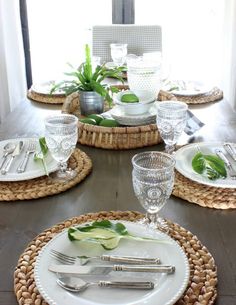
114, 137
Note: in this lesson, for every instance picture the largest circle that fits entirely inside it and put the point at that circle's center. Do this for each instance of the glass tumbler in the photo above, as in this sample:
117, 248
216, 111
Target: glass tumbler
118, 53
153, 180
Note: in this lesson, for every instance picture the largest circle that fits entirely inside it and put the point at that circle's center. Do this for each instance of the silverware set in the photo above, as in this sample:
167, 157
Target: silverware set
75, 284
12, 151
83, 260
230, 150
74, 266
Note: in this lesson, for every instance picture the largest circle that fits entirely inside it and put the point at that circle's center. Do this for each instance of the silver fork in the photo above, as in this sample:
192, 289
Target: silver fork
31, 149
232, 172
83, 259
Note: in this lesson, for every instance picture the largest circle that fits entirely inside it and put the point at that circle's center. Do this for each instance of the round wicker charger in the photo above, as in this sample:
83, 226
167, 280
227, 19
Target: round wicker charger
204, 195
212, 96
44, 98
45, 186
201, 289
124, 137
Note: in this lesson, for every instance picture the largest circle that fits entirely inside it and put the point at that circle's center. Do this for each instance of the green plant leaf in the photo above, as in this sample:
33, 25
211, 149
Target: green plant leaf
83, 78
210, 166
106, 233
40, 155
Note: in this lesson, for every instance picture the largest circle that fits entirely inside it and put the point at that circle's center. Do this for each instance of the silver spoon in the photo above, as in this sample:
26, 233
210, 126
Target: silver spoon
7, 150
75, 284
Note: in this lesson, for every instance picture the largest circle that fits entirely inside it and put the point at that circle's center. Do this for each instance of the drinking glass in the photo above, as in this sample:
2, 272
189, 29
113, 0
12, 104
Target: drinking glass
171, 121
61, 133
144, 76
118, 53
153, 180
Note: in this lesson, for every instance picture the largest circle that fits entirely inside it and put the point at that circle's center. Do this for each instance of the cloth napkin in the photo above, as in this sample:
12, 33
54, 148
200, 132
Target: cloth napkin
193, 124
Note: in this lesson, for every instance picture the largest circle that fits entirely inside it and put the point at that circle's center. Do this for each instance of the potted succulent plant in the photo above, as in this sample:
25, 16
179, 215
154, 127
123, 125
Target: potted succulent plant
89, 84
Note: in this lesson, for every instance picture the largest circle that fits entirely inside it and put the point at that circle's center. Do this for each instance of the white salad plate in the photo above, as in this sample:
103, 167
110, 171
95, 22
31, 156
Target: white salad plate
184, 156
45, 88
111, 65
168, 287
187, 88
34, 169
133, 120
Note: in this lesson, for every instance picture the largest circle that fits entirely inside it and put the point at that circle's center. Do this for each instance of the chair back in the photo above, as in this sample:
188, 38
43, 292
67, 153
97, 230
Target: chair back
140, 39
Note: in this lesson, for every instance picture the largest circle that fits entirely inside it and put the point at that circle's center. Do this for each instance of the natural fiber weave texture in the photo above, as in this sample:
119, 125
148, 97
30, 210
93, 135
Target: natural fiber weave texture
45, 186
214, 95
46, 99
111, 137
201, 289
204, 195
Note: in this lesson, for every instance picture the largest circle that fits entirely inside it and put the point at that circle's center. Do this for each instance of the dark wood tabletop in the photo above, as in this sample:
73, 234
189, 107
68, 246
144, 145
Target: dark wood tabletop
109, 187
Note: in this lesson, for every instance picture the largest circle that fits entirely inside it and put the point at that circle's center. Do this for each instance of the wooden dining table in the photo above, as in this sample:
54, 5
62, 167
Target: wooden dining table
109, 188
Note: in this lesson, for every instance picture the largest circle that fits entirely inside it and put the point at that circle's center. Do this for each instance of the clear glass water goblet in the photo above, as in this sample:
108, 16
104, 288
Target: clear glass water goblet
61, 134
118, 53
153, 180
171, 120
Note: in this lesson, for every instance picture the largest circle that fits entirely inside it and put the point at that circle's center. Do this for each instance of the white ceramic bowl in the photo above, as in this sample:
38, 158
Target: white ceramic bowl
138, 108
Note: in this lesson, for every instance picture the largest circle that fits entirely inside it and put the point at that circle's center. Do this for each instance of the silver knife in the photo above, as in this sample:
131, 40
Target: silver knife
91, 270
15, 153
230, 150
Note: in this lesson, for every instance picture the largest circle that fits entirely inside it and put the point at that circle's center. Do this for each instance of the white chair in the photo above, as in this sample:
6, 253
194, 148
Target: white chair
140, 39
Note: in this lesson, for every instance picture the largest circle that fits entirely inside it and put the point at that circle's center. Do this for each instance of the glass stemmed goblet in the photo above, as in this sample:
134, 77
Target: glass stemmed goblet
153, 180
61, 134
118, 53
171, 121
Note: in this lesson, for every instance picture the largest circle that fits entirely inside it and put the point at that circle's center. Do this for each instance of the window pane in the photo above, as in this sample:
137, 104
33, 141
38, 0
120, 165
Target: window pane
191, 31
58, 31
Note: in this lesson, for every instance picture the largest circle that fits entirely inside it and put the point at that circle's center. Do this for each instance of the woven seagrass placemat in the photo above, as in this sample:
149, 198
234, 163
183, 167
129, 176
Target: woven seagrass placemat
46, 99
203, 276
212, 96
204, 195
45, 186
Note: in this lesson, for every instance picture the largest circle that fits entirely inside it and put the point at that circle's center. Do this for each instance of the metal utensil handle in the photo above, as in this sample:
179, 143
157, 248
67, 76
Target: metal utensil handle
3, 160
230, 150
223, 157
130, 260
157, 269
130, 285
7, 166
23, 164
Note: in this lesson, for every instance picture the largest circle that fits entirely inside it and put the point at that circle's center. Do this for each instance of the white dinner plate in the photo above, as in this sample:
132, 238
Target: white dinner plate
34, 169
168, 288
187, 88
184, 158
45, 88
111, 65
133, 120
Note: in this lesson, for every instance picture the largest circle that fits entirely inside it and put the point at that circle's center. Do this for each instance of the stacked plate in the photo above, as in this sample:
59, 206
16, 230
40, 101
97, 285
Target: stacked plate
168, 287
45, 88
187, 88
111, 65
134, 120
34, 169
184, 158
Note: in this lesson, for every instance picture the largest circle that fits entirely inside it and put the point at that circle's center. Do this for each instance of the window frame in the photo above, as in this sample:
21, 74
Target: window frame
122, 13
